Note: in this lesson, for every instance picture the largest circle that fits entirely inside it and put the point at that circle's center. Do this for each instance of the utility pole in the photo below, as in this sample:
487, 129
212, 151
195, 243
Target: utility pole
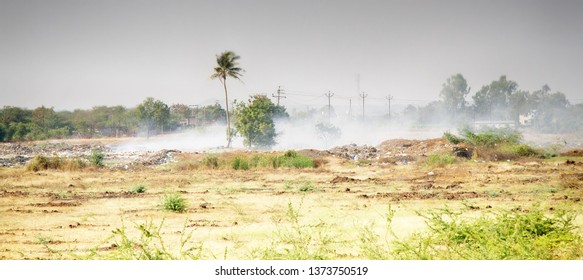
279, 94
389, 97
363, 97
349, 107
329, 95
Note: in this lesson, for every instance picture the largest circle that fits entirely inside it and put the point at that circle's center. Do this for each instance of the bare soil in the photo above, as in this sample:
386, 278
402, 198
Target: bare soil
56, 214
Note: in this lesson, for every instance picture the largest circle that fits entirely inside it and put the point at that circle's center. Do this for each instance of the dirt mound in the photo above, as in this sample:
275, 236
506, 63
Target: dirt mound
402, 147
342, 179
573, 153
161, 157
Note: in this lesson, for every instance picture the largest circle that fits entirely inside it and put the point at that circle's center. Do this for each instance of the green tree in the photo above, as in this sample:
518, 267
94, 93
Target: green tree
153, 113
227, 66
453, 94
493, 100
254, 121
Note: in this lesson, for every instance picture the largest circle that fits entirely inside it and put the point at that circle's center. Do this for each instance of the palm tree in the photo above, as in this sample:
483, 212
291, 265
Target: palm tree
227, 66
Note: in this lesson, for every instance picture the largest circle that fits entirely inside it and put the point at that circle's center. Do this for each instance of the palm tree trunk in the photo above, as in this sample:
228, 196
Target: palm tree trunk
227, 111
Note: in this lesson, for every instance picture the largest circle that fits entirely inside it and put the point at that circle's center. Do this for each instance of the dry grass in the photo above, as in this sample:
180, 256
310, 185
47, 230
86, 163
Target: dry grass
56, 214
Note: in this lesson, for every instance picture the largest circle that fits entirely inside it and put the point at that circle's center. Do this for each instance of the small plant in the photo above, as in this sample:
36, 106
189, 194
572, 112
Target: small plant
240, 163
297, 240
210, 161
306, 186
139, 189
150, 245
174, 202
97, 157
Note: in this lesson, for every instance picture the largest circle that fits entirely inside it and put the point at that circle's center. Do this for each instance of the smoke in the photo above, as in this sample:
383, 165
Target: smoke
293, 134
193, 140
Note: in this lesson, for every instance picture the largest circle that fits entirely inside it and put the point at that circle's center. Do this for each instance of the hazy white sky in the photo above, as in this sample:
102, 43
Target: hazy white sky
79, 53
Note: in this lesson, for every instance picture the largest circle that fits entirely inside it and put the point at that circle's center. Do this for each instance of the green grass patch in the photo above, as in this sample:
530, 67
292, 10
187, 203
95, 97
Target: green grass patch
96, 158
174, 202
440, 160
139, 189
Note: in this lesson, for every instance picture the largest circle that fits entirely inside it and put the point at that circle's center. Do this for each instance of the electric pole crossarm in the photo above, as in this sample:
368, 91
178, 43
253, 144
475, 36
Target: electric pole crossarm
329, 95
280, 94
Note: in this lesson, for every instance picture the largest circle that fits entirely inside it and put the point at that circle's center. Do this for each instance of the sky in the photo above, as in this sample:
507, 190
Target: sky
77, 54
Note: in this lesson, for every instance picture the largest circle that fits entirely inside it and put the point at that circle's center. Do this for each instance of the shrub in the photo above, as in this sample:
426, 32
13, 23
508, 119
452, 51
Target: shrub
139, 189
523, 150
240, 163
452, 138
40, 162
97, 157
505, 235
210, 161
174, 202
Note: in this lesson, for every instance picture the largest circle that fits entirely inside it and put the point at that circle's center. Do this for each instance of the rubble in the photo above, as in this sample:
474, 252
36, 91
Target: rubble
355, 152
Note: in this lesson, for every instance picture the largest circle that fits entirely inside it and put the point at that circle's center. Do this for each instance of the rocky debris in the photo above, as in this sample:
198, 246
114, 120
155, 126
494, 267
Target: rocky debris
414, 148
355, 152
161, 157
14, 161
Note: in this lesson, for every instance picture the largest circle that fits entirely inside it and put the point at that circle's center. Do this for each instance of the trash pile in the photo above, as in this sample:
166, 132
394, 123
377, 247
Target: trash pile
355, 152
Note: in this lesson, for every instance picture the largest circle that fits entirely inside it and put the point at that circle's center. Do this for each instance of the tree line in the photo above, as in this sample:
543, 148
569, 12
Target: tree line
149, 117
501, 100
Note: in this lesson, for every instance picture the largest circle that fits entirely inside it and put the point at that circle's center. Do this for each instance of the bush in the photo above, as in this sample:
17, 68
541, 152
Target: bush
505, 235
174, 202
40, 162
97, 157
523, 150
139, 189
210, 161
240, 163
488, 137
452, 138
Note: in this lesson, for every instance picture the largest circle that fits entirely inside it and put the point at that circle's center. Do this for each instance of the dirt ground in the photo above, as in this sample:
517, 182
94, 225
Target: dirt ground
233, 213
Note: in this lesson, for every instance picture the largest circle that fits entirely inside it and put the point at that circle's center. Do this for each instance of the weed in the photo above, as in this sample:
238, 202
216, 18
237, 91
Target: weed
299, 241
240, 163
210, 161
174, 202
306, 186
503, 235
488, 137
97, 157
149, 246
139, 189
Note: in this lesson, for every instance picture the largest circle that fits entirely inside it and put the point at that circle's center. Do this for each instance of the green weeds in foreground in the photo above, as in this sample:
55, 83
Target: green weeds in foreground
502, 235
496, 235
149, 245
